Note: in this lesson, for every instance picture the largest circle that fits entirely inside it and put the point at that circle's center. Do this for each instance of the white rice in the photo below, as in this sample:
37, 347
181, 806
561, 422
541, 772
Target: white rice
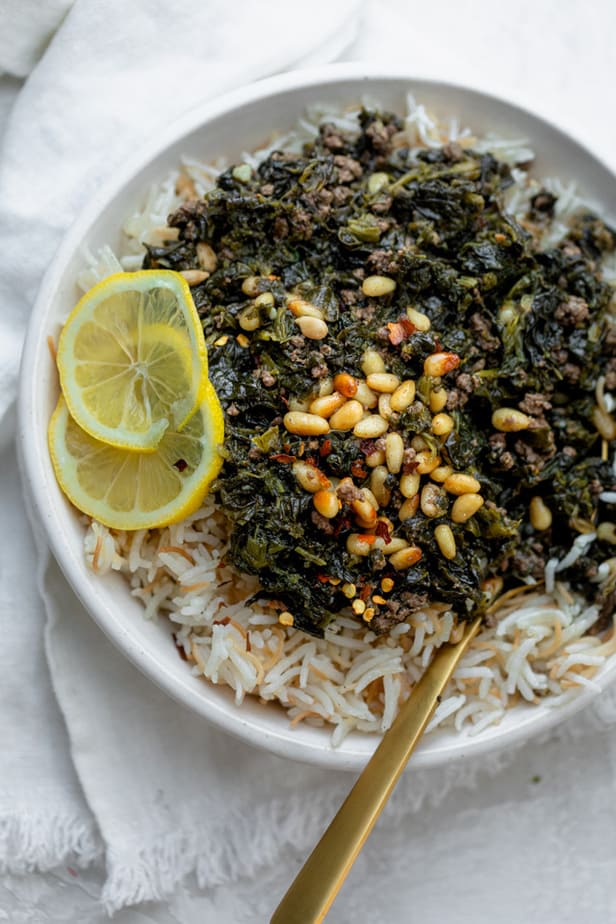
538, 650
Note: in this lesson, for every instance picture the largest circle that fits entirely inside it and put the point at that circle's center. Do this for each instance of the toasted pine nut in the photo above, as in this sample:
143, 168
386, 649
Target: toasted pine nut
358, 545
310, 477
377, 286
442, 424
348, 415
249, 318
426, 462
459, 483
492, 586
403, 396
365, 511
300, 308
326, 503
303, 424
406, 558
372, 362
418, 319
409, 484
369, 496
313, 328
327, 405
433, 501
510, 420
394, 452
370, 427
375, 458
366, 396
378, 485
540, 514
382, 382
385, 406
438, 399
394, 545
250, 286
409, 508
418, 443
465, 506
206, 256
346, 384
605, 423
265, 300
440, 364
163, 234
445, 540
194, 277
442, 473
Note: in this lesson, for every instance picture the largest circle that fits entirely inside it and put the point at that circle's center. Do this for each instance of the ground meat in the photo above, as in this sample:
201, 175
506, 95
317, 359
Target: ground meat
381, 205
573, 312
320, 202
532, 457
365, 312
331, 137
341, 194
453, 152
535, 405
527, 561
381, 262
572, 373
301, 224
457, 397
267, 378
349, 297
487, 339
349, 169
322, 523
498, 445
233, 410
348, 492
397, 611
319, 371
542, 205
610, 374
280, 229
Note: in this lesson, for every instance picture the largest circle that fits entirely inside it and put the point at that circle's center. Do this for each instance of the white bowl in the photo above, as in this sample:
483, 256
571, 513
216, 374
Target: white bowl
240, 121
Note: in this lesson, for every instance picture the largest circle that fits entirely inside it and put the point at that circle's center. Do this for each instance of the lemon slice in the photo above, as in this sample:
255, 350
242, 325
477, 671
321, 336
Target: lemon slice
132, 359
139, 490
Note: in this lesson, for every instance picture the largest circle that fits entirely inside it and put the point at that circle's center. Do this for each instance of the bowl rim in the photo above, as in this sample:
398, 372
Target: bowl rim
533, 721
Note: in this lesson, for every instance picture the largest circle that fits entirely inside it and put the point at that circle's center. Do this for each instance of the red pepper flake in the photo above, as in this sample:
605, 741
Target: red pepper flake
283, 457
323, 578
180, 648
358, 470
409, 467
400, 330
325, 448
367, 447
222, 622
72, 872
382, 531
343, 523
438, 347
365, 592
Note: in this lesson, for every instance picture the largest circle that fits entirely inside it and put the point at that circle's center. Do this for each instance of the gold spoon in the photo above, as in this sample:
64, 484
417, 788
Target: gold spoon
316, 885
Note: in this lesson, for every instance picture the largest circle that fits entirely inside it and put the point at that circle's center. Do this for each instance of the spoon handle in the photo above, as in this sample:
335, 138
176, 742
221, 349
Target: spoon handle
316, 885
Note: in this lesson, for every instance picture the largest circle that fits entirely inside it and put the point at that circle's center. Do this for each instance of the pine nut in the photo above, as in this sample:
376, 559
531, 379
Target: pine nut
265, 300
313, 328
492, 586
540, 514
375, 458
409, 484
442, 473
510, 420
369, 496
409, 508
194, 277
366, 396
445, 540
458, 483
249, 318
310, 477
250, 286
377, 286
299, 404
426, 462
348, 415
433, 501
346, 384
377, 182
372, 362
394, 452
394, 545
465, 506
326, 386
418, 443
442, 424
358, 545
439, 364
438, 399
326, 503
327, 405
382, 382
378, 485
406, 558
300, 308
206, 256
303, 424
604, 423
370, 427
418, 319
365, 511
385, 406
403, 396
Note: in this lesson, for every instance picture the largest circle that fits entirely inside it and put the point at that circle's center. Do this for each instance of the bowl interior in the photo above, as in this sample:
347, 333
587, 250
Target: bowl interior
239, 122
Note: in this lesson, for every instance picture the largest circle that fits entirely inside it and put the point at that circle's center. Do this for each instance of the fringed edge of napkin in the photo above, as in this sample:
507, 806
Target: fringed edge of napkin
44, 840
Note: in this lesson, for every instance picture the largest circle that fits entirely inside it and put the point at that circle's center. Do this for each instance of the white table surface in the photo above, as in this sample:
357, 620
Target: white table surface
535, 844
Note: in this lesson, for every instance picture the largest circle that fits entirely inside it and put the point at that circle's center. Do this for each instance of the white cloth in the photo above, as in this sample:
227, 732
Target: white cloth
165, 794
